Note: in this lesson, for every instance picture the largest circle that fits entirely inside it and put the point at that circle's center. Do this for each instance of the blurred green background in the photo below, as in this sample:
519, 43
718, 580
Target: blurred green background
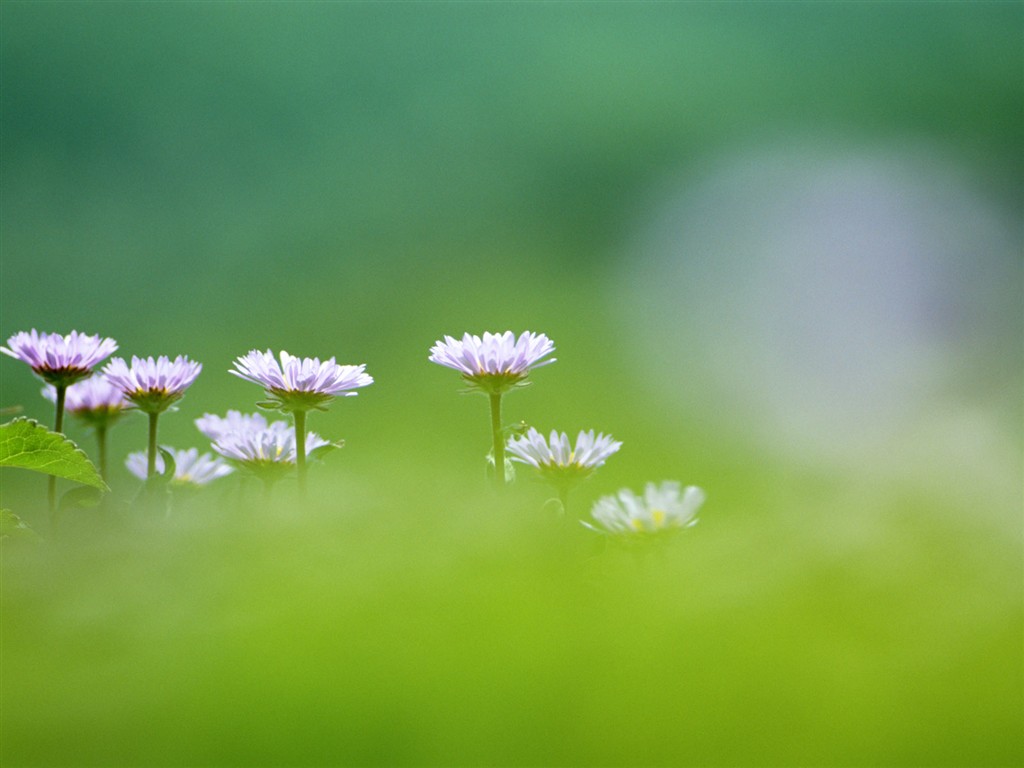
778, 248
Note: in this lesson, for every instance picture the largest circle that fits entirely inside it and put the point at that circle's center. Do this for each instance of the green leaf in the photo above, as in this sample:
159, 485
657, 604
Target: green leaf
161, 480
82, 497
518, 429
317, 454
13, 527
28, 444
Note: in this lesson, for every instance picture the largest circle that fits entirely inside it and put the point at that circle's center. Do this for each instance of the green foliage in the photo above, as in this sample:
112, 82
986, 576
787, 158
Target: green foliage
13, 527
318, 453
161, 480
443, 625
28, 444
82, 497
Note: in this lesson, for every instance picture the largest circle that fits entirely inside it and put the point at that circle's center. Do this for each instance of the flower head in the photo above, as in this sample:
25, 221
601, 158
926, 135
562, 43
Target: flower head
557, 460
153, 385
96, 400
300, 384
59, 360
190, 467
275, 444
662, 507
215, 427
496, 362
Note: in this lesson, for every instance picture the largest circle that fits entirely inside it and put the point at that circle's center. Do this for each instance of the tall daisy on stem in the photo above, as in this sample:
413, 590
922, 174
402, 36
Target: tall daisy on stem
59, 361
153, 386
494, 365
558, 462
299, 385
98, 404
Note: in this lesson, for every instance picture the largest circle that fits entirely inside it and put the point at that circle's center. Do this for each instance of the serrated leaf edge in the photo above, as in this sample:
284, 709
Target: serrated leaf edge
35, 424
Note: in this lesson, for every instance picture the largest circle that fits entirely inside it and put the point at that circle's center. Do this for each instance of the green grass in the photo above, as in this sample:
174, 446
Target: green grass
395, 625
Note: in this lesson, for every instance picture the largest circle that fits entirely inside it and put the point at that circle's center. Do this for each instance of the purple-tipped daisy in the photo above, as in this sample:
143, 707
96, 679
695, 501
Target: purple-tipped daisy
297, 385
190, 467
558, 461
96, 402
300, 384
270, 452
59, 360
274, 444
235, 422
153, 386
493, 365
662, 507
496, 362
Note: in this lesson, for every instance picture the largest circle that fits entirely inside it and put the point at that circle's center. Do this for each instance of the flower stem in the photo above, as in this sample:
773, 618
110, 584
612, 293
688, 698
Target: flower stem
151, 466
62, 390
101, 443
499, 440
58, 426
300, 449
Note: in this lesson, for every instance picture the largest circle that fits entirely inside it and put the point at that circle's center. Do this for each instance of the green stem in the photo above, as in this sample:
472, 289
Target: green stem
62, 390
300, 449
151, 466
499, 440
101, 441
58, 426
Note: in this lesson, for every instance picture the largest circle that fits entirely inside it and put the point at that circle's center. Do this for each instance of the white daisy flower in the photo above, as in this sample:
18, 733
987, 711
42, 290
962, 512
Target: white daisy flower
213, 427
300, 384
557, 460
496, 362
96, 401
662, 507
190, 467
273, 445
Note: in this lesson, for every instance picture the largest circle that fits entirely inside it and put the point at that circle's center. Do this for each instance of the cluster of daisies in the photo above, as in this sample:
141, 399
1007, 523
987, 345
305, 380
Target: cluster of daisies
493, 365
99, 397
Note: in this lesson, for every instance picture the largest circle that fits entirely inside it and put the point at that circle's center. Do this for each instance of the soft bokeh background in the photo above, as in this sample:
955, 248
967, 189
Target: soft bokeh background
778, 247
